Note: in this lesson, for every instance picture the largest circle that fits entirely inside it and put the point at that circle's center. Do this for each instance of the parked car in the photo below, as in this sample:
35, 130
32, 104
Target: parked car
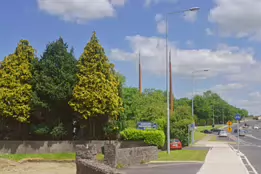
222, 133
175, 144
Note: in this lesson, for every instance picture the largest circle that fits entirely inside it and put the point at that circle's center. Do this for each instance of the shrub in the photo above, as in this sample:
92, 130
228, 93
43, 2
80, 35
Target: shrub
179, 130
150, 137
202, 122
58, 131
40, 129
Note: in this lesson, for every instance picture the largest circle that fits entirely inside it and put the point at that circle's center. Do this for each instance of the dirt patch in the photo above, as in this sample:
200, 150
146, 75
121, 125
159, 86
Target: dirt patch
10, 167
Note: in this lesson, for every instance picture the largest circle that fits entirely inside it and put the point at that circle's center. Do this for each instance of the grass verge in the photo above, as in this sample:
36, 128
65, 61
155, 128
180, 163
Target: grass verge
183, 155
53, 157
199, 135
213, 138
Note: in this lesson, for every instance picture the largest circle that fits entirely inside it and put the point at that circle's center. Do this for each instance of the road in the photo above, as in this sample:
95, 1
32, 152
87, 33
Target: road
180, 168
250, 145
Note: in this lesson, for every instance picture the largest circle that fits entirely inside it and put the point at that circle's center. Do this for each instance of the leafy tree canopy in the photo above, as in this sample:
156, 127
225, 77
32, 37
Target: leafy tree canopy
97, 90
55, 74
15, 83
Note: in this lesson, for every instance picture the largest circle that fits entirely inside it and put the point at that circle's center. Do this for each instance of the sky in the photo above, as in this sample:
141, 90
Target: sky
223, 37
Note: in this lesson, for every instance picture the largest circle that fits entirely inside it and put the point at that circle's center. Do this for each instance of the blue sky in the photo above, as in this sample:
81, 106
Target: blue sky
224, 37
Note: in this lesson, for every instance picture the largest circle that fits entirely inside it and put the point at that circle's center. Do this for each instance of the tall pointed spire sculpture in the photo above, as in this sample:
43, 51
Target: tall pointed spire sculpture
140, 75
171, 97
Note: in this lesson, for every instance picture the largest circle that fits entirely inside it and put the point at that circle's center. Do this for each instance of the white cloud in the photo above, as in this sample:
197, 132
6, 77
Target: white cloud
209, 32
248, 74
161, 23
219, 61
80, 11
255, 94
190, 43
190, 16
238, 18
228, 87
252, 103
151, 2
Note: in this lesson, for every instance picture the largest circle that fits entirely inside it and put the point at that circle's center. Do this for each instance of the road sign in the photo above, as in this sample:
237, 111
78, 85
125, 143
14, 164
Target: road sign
229, 129
229, 123
238, 117
146, 125
191, 127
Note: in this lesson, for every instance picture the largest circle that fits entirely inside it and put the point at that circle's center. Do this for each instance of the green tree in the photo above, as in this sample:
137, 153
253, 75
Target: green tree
149, 106
55, 74
53, 83
97, 90
180, 122
15, 83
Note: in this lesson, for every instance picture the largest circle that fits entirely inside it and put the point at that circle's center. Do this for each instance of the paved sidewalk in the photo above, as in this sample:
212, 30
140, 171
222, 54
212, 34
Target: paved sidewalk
204, 141
222, 159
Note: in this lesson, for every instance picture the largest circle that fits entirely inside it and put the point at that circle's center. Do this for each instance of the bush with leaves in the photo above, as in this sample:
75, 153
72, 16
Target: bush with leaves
150, 137
179, 130
40, 129
58, 131
202, 122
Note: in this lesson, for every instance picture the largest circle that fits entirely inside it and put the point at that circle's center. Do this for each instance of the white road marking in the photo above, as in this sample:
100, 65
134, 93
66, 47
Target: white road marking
248, 162
251, 136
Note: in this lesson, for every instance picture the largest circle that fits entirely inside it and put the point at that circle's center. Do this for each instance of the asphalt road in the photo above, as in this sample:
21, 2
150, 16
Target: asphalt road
179, 168
250, 145
253, 137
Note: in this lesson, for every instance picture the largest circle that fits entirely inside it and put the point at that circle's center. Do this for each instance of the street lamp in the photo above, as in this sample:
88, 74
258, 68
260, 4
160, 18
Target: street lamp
167, 71
192, 103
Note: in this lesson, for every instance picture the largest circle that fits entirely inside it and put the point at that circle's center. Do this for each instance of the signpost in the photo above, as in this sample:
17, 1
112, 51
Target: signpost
229, 123
237, 117
229, 129
147, 125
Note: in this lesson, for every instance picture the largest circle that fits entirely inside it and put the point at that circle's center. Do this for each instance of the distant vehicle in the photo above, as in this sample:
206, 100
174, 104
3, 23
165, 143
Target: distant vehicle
207, 132
175, 144
222, 133
215, 130
235, 130
256, 127
242, 132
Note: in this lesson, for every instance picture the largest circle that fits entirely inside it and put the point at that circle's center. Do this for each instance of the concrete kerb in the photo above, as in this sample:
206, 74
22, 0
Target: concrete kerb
167, 162
35, 160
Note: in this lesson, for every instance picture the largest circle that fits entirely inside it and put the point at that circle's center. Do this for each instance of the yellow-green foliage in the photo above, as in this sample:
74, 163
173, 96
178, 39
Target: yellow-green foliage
97, 90
15, 88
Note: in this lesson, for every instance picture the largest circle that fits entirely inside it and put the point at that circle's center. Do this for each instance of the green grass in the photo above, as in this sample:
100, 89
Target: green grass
183, 155
18, 157
213, 138
56, 156
199, 136
100, 157
201, 128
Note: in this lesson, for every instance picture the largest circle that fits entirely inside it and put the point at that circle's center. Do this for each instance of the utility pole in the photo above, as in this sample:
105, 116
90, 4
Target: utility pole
171, 97
213, 116
223, 116
140, 75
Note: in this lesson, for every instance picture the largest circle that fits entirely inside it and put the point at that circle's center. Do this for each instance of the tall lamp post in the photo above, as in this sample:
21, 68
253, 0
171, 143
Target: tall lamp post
192, 103
167, 71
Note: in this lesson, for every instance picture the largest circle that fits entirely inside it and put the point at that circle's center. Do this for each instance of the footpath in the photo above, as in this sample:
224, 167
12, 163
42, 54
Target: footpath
221, 158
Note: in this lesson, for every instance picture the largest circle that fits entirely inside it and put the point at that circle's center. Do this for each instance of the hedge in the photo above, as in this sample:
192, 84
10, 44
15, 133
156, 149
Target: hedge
150, 137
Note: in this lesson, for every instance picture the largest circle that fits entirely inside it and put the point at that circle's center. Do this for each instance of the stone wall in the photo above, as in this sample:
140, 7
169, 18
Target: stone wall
43, 147
115, 156
86, 162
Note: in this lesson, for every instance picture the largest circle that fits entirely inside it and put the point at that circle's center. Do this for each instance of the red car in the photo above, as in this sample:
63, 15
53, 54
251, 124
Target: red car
175, 144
